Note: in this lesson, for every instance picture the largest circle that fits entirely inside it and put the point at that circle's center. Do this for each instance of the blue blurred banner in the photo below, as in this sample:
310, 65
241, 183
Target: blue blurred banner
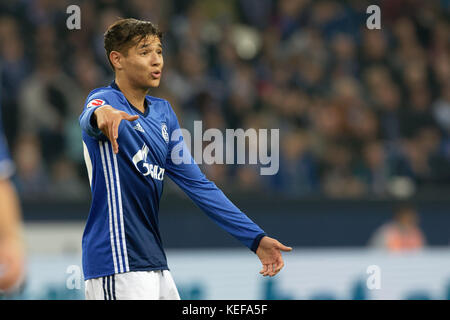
233, 275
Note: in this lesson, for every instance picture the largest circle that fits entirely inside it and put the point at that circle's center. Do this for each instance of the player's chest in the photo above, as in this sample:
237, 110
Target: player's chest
149, 136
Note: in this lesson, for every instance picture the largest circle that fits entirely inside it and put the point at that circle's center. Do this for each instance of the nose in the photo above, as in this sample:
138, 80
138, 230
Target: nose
156, 60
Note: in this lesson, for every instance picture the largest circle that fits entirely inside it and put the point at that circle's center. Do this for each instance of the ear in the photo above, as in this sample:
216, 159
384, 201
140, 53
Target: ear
116, 59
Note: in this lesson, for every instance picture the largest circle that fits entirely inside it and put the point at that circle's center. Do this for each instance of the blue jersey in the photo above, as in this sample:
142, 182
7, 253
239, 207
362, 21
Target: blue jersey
6, 164
122, 230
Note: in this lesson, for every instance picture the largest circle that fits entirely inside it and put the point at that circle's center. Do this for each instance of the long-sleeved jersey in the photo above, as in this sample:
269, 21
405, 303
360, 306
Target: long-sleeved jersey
6, 164
122, 230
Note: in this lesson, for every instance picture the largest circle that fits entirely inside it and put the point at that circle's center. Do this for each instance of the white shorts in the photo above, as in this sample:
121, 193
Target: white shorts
134, 285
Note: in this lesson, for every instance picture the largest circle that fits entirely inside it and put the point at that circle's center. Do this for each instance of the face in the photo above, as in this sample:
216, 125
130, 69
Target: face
143, 63
408, 218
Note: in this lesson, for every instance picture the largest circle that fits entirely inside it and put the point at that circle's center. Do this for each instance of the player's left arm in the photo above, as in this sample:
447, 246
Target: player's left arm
183, 170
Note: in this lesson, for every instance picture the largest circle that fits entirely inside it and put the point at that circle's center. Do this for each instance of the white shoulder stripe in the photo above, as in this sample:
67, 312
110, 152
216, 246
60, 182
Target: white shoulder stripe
114, 205
87, 160
111, 234
122, 229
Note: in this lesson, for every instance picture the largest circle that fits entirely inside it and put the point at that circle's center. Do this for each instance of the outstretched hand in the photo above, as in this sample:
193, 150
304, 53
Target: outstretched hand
108, 121
269, 252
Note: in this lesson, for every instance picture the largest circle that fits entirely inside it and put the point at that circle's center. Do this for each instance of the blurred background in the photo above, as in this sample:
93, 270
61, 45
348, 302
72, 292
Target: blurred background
364, 119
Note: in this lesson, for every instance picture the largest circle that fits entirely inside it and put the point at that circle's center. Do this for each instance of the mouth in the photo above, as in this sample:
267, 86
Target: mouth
156, 74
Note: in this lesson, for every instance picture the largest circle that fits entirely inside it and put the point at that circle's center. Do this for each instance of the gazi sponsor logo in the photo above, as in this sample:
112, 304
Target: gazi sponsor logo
152, 170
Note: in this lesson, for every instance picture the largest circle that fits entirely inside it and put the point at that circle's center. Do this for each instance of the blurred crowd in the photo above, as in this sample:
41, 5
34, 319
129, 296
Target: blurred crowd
361, 112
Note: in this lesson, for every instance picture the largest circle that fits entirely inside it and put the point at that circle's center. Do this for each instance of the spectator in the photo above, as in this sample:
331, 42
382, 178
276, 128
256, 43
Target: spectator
32, 177
368, 95
401, 234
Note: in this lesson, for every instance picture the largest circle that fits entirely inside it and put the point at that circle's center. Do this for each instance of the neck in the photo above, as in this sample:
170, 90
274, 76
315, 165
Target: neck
136, 96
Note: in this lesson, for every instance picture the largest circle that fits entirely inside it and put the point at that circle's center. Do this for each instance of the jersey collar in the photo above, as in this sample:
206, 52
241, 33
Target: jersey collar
147, 101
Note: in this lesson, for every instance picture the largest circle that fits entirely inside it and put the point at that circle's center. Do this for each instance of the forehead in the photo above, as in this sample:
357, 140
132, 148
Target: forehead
149, 41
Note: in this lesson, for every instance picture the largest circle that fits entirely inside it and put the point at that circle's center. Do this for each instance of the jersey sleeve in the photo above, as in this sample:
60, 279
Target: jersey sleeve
182, 169
7, 167
93, 102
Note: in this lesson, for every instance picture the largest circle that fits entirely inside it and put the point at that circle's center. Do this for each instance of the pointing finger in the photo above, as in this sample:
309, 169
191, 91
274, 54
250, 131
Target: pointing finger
116, 129
113, 138
129, 117
109, 131
116, 135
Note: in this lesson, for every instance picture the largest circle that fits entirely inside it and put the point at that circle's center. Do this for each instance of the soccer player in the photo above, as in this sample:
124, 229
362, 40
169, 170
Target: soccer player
127, 161
12, 259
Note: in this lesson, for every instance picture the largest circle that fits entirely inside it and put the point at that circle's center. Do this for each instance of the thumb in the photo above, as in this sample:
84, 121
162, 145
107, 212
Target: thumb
129, 117
282, 247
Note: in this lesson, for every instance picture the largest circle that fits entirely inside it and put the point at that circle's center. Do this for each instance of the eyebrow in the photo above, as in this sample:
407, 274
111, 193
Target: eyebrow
145, 45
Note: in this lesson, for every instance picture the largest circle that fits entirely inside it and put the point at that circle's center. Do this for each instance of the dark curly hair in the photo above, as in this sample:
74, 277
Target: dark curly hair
125, 33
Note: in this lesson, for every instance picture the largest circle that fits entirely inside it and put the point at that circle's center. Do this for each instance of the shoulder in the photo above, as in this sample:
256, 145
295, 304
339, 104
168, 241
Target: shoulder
161, 104
157, 100
104, 95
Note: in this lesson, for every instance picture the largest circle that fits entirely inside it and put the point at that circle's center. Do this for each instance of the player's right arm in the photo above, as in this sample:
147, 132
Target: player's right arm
100, 121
